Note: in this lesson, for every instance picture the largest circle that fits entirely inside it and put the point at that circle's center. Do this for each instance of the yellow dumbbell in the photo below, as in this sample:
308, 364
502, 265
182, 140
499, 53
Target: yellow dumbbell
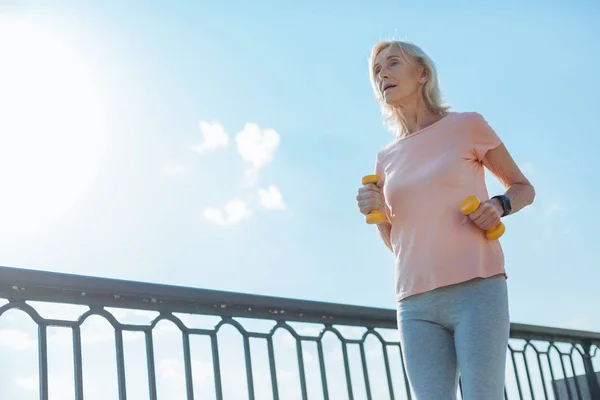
470, 205
375, 216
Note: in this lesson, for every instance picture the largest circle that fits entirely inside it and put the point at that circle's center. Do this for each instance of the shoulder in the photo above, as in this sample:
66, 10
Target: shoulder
468, 118
474, 125
478, 134
385, 151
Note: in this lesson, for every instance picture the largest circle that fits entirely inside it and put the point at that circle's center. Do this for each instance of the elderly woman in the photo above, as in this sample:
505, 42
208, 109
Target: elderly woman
451, 292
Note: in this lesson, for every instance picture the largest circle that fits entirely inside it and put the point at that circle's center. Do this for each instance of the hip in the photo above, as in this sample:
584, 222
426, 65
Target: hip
452, 303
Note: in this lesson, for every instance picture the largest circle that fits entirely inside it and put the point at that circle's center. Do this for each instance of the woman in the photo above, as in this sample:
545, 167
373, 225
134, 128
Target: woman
452, 302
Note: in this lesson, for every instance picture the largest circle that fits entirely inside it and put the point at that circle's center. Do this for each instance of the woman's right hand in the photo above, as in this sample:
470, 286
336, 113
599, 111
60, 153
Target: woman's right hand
370, 197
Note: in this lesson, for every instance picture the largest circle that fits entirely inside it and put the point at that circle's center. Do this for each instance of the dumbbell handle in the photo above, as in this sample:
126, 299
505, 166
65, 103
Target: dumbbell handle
470, 205
375, 216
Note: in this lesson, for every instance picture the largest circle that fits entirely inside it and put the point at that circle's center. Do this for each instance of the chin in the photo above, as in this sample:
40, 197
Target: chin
392, 102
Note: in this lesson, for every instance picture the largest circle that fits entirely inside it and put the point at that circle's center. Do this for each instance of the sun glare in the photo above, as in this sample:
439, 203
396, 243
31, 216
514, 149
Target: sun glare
52, 134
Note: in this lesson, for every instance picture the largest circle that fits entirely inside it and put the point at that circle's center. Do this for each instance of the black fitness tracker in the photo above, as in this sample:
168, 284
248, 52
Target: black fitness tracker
505, 201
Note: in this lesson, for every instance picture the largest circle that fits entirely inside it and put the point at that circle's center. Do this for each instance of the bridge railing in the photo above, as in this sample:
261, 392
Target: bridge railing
134, 340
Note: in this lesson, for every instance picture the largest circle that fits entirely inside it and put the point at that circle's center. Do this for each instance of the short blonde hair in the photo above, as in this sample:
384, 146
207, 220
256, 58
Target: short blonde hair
432, 95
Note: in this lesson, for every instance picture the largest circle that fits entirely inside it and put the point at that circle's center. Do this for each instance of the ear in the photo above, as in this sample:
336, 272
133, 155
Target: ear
423, 76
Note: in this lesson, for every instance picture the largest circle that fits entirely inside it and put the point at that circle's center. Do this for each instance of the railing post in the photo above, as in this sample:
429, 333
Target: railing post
18, 286
592, 381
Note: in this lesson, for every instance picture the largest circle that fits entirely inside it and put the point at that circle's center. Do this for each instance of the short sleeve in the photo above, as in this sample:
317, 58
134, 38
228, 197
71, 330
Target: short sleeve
482, 136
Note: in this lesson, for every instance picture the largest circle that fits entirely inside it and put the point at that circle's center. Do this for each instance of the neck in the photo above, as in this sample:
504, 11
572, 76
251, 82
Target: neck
417, 116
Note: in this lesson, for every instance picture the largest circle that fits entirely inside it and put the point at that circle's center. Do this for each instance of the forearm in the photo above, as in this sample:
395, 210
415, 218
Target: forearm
385, 231
519, 190
520, 195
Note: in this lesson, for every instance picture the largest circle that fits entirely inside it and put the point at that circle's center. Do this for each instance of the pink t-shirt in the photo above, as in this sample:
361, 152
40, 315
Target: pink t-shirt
427, 176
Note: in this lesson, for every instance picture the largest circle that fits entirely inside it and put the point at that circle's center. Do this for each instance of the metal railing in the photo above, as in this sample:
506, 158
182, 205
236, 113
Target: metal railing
250, 347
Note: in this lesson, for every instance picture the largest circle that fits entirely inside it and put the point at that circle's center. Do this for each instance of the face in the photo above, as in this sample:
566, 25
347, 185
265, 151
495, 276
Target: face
398, 77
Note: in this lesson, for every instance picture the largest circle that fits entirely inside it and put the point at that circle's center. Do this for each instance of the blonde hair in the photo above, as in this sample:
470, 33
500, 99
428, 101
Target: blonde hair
432, 95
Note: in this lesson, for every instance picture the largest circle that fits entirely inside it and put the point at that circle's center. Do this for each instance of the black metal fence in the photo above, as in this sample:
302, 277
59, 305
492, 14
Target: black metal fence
74, 337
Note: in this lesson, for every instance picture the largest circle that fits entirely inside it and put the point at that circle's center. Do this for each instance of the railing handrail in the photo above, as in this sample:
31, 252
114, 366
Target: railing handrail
46, 286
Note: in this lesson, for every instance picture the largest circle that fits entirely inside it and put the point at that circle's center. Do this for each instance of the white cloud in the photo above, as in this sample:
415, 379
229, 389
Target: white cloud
60, 386
271, 198
172, 370
59, 311
213, 135
257, 146
233, 212
16, 339
173, 169
95, 330
28, 383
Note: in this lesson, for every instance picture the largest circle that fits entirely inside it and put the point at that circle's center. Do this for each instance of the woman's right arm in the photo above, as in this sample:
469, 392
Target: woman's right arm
370, 197
385, 231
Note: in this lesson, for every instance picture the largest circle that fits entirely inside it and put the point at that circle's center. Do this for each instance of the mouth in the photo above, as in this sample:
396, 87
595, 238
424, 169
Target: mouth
387, 86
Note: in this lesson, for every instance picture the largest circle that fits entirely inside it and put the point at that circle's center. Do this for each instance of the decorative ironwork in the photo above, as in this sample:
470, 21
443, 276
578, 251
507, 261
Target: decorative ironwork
310, 350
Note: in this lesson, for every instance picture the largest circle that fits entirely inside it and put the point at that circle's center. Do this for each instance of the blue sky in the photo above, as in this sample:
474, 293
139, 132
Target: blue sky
106, 178
157, 71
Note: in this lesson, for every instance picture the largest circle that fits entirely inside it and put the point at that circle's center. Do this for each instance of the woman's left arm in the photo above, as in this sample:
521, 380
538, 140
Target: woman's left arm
519, 190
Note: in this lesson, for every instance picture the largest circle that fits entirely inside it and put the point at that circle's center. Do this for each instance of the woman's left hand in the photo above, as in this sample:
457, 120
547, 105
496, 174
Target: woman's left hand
487, 215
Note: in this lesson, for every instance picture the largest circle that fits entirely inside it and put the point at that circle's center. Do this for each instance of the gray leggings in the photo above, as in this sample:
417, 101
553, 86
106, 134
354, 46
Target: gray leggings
461, 328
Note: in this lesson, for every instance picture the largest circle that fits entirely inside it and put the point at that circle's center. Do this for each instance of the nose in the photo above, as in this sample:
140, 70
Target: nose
383, 73
382, 76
